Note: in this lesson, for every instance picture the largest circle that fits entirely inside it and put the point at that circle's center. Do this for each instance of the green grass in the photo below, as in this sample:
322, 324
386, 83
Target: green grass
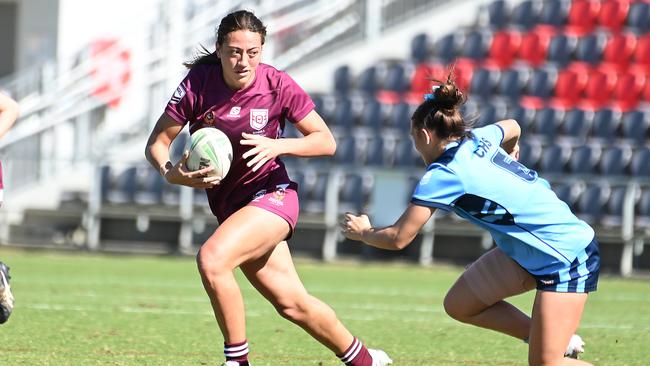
82, 309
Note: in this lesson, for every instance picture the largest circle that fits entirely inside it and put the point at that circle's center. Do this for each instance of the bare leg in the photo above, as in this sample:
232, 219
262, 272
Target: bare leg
275, 277
247, 234
556, 317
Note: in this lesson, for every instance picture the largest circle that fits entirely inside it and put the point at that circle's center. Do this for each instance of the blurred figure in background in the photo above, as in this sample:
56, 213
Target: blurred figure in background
540, 242
8, 116
256, 203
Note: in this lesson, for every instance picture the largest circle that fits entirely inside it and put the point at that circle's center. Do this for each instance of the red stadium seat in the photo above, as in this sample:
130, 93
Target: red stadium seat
599, 88
463, 69
504, 48
422, 80
642, 52
619, 50
628, 90
569, 87
613, 14
534, 45
582, 16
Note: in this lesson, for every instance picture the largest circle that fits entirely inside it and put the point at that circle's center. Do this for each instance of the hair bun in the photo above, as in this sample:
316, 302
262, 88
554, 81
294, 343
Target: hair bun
448, 96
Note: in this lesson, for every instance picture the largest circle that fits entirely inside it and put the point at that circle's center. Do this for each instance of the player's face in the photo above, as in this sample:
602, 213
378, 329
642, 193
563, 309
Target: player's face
240, 55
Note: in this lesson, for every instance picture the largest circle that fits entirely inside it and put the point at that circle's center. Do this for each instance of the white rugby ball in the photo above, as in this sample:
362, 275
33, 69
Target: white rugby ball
210, 147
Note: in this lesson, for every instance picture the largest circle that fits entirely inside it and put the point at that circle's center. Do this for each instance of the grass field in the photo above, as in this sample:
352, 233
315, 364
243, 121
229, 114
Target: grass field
82, 310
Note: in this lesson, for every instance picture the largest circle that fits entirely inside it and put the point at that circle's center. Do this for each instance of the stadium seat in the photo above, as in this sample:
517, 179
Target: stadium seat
342, 80
590, 48
351, 194
615, 160
547, 122
406, 155
599, 88
628, 90
513, 82
343, 114
149, 186
498, 14
613, 14
374, 152
171, 194
315, 188
619, 50
524, 115
448, 47
640, 164
638, 17
372, 115
345, 150
606, 124
592, 199
577, 124
569, 87
367, 81
463, 70
636, 127
483, 83
584, 159
421, 81
503, 49
642, 52
526, 14
534, 46
554, 13
540, 87
420, 48
530, 152
613, 216
554, 159
491, 112
476, 45
583, 16
561, 48
399, 117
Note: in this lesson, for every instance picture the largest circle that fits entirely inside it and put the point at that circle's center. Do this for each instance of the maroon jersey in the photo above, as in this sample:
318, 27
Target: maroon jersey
204, 100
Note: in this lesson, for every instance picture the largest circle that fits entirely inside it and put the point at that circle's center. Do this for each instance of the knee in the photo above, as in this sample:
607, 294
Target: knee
295, 310
210, 263
454, 307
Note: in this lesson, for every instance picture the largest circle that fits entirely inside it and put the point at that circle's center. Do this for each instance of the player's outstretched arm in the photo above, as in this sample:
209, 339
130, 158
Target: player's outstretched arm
8, 113
395, 237
157, 153
511, 134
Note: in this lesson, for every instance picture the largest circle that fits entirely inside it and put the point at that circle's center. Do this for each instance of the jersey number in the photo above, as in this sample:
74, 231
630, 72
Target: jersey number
504, 161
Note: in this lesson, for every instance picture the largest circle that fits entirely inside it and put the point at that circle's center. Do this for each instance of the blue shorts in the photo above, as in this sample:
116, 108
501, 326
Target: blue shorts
581, 276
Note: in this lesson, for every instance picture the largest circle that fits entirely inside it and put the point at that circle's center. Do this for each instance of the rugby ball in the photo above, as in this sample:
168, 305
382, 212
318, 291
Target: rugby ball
209, 146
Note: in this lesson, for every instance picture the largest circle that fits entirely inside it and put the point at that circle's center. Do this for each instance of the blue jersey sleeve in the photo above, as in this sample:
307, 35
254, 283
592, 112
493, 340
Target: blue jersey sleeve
493, 133
438, 188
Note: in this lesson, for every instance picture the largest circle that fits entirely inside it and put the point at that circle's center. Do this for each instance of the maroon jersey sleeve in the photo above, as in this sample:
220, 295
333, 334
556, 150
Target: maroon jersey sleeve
294, 100
182, 105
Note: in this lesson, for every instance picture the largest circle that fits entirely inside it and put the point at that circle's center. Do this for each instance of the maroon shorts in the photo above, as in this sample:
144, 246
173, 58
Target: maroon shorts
281, 200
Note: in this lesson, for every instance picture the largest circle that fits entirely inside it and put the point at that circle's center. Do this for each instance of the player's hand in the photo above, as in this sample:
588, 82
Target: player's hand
262, 149
354, 226
178, 174
515, 152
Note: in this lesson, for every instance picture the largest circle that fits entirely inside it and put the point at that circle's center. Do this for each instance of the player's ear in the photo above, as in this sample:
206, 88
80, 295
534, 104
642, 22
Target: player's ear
427, 135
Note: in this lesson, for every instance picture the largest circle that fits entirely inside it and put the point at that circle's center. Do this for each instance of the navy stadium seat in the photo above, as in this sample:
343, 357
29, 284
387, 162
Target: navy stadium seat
577, 123
606, 124
476, 45
447, 48
512, 83
374, 154
615, 160
372, 115
400, 117
367, 81
542, 82
498, 13
636, 127
642, 217
343, 115
554, 159
614, 208
567, 192
591, 202
342, 80
149, 188
529, 153
122, 185
590, 48
526, 14
561, 49
547, 122
406, 155
345, 150
640, 164
584, 159
638, 17
483, 83
555, 12
420, 48
351, 194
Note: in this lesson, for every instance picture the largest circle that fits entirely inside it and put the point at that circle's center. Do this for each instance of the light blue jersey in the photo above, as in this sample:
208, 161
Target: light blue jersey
479, 181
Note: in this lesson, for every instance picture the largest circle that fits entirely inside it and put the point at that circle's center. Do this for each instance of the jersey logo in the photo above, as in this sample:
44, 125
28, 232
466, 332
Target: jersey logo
259, 118
178, 95
234, 112
209, 118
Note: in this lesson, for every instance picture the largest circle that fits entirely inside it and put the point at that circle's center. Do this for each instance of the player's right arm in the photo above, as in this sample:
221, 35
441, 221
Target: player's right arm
394, 237
8, 113
511, 134
157, 153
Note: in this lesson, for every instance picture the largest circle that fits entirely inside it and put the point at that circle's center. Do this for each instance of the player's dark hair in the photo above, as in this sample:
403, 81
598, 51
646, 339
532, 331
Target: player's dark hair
238, 20
440, 111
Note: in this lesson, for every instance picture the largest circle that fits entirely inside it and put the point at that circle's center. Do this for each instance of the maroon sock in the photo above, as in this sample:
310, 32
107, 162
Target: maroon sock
236, 352
356, 355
